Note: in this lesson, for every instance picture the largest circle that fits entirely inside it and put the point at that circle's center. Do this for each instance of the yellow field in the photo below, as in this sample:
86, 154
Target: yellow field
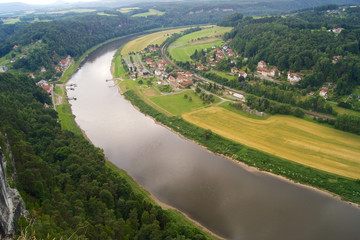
142, 42
288, 137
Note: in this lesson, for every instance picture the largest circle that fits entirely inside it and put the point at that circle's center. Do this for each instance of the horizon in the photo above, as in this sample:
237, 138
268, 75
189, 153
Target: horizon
45, 2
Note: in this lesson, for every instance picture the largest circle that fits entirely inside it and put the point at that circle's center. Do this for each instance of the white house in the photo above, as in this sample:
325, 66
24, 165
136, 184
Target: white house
239, 96
293, 77
323, 93
242, 74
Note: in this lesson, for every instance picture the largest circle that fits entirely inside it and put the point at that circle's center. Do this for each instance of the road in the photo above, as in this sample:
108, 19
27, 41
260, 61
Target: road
142, 64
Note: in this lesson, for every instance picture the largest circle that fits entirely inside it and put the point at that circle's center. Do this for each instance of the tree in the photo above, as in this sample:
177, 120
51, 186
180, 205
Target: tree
207, 133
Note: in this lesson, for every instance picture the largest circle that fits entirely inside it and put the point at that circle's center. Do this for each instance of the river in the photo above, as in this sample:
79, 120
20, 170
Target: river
232, 201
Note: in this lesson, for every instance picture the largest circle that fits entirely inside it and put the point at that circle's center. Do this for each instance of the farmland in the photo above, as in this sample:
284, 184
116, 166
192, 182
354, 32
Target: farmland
184, 47
183, 53
142, 42
288, 137
211, 32
127, 10
177, 104
149, 13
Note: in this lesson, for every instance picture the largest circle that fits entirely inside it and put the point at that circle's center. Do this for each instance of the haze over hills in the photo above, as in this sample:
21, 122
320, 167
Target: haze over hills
246, 7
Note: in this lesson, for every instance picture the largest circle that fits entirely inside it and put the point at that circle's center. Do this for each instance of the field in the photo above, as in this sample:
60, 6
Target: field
288, 137
127, 10
11, 20
224, 75
183, 53
67, 119
211, 32
142, 42
177, 104
149, 13
106, 14
80, 10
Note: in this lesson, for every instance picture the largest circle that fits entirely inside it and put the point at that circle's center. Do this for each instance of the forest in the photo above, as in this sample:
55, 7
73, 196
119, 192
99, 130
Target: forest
304, 42
64, 181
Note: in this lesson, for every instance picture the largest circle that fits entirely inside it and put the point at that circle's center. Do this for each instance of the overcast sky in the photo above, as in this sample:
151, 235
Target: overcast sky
43, 1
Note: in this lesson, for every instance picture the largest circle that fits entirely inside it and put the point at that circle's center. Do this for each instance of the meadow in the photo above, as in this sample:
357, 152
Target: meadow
149, 13
127, 10
184, 52
287, 137
211, 32
153, 38
177, 104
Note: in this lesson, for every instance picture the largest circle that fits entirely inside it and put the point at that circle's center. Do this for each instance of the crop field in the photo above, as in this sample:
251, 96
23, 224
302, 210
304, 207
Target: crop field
177, 104
183, 53
153, 38
149, 13
11, 20
211, 32
288, 137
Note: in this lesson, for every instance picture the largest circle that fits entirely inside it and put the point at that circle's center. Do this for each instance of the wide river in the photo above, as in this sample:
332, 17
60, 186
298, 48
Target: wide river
231, 200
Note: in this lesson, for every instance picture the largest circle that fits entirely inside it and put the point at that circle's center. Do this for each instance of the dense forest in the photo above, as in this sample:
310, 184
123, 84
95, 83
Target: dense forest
67, 188
304, 42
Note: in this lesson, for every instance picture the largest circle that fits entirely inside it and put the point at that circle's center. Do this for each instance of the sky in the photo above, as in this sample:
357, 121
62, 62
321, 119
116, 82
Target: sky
43, 1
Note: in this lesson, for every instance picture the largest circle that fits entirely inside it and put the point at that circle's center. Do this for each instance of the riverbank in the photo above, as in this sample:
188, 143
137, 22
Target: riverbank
347, 189
71, 125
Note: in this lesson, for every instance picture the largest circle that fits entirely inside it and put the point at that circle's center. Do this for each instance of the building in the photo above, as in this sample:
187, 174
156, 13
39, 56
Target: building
186, 83
148, 61
293, 78
262, 64
239, 96
275, 72
323, 93
263, 72
242, 74
65, 62
220, 55
335, 59
201, 67
234, 70
188, 74
182, 78
337, 30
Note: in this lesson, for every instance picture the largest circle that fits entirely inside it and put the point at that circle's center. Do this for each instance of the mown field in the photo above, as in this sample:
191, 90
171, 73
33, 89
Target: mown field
288, 137
177, 104
127, 10
149, 13
142, 42
183, 53
211, 32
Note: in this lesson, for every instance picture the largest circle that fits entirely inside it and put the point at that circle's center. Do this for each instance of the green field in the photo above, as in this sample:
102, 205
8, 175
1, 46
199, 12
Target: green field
80, 10
106, 14
67, 119
288, 137
149, 13
153, 38
224, 75
183, 53
211, 32
127, 10
177, 104
11, 20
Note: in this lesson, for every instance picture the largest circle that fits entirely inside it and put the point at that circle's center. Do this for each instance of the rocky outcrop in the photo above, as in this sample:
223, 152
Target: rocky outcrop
11, 204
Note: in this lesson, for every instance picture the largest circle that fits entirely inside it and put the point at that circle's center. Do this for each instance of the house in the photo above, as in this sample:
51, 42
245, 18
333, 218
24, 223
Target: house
162, 64
230, 52
201, 67
242, 74
335, 59
143, 51
3, 68
262, 64
220, 55
44, 85
323, 93
263, 72
32, 75
12, 60
65, 62
239, 96
153, 49
211, 59
182, 78
148, 61
229, 40
293, 77
234, 70
188, 74
152, 64
186, 83
275, 72
15, 47
174, 84
337, 30
157, 72
171, 79
213, 64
